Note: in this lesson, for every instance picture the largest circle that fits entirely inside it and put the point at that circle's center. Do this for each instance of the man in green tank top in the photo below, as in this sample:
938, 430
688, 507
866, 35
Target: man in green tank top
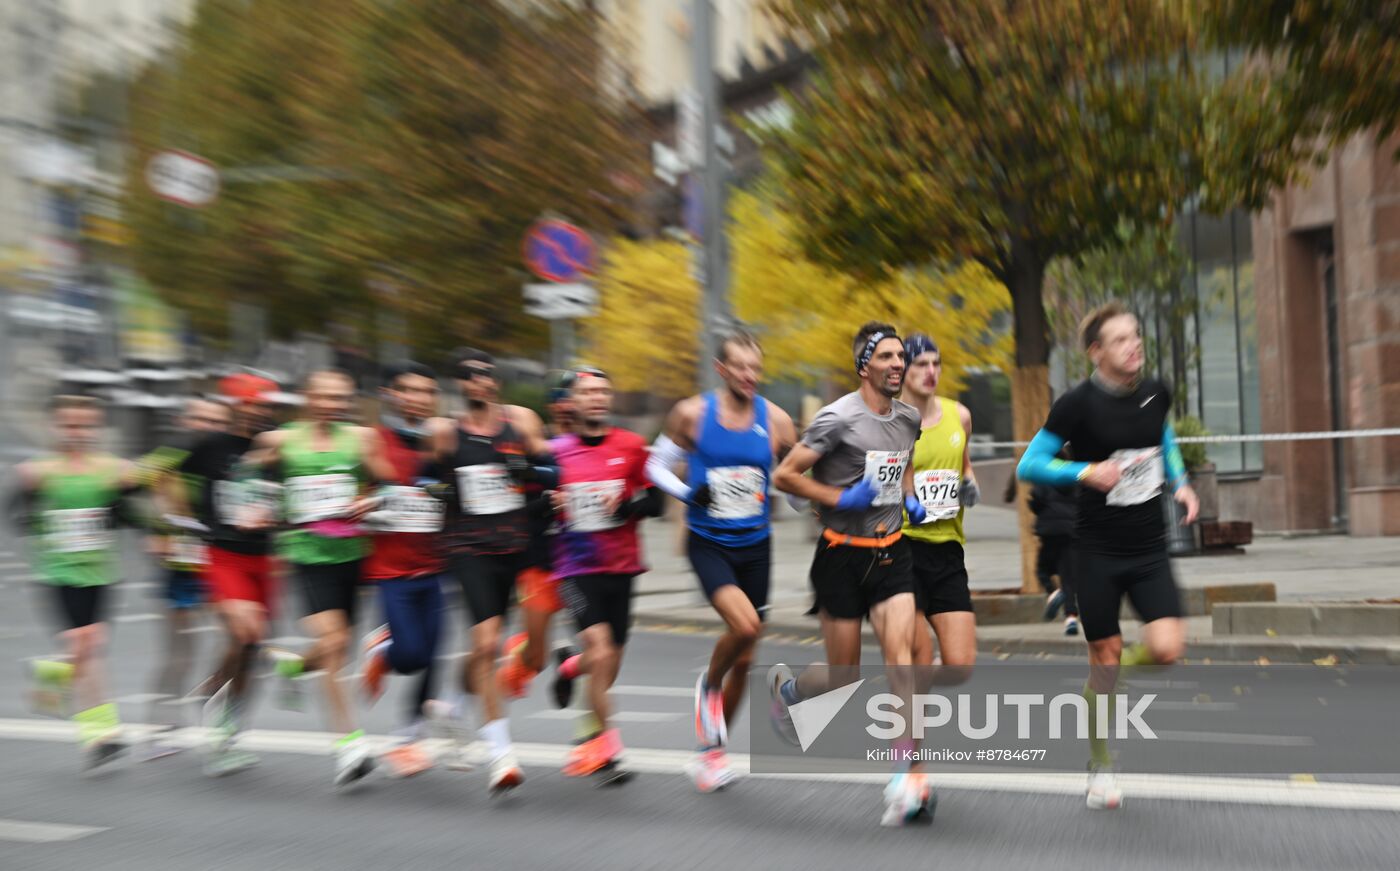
944, 485
326, 467
69, 503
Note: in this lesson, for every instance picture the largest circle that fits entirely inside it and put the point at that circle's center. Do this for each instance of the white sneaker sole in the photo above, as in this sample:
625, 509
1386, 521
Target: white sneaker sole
1104, 802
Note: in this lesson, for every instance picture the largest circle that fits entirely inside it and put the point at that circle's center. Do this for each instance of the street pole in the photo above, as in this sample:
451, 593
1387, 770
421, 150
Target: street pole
712, 256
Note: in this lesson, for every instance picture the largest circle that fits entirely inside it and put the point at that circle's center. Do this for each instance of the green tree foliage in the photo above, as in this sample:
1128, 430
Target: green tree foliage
418, 139
1339, 60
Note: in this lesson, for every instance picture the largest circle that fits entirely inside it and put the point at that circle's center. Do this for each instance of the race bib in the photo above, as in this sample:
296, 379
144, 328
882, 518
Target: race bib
937, 490
736, 492
1142, 478
409, 509
186, 550
78, 530
228, 502
320, 497
589, 504
886, 469
488, 489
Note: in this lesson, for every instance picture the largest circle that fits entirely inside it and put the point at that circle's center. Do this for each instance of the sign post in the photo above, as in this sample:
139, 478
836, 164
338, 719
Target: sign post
563, 255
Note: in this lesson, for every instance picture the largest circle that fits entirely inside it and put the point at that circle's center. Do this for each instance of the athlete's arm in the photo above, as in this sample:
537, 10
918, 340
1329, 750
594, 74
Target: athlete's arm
675, 440
1176, 476
791, 477
375, 457
266, 450
783, 430
531, 429
680, 423
1039, 465
22, 502
968, 494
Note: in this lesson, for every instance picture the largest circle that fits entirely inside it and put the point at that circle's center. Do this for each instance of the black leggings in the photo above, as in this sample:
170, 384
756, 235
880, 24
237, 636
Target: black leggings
1057, 558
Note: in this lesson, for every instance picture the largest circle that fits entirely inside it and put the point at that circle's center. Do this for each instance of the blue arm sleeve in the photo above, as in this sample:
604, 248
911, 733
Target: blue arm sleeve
1039, 465
1171, 453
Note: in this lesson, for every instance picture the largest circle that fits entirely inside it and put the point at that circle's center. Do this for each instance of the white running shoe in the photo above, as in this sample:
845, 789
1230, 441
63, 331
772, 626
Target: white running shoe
778, 715
908, 799
353, 761
446, 723
1071, 625
710, 770
1104, 793
505, 773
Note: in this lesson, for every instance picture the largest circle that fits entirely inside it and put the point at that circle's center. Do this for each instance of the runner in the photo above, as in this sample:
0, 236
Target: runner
1054, 510
857, 449
239, 574
603, 495
406, 562
72, 502
488, 456
728, 439
327, 466
1117, 425
536, 589
944, 485
179, 546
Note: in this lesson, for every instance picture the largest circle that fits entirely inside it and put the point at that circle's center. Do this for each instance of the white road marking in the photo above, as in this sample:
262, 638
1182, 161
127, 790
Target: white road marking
1236, 738
669, 692
136, 618
43, 833
619, 716
1169, 787
197, 629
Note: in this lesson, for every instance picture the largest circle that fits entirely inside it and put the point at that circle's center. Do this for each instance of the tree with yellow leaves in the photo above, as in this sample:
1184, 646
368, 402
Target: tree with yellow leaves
647, 336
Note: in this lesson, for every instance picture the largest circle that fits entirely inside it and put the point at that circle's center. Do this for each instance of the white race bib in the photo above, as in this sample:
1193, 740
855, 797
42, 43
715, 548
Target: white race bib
409, 509
78, 530
588, 505
488, 489
937, 490
1142, 478
320, 497
228, 502
886, 469
186, 550
736, 492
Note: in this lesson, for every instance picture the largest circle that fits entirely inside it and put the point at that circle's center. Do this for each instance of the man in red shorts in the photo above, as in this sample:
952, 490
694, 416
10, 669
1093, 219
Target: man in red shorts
239, 574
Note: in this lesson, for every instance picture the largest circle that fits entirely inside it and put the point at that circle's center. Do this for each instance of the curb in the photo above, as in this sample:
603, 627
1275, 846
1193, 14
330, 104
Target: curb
1232, 649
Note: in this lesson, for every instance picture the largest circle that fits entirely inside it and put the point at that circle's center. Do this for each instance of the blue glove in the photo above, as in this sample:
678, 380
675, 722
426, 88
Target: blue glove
915, 509
857, 497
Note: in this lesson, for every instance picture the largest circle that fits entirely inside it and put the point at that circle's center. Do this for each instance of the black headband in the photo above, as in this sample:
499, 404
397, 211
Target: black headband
868, 351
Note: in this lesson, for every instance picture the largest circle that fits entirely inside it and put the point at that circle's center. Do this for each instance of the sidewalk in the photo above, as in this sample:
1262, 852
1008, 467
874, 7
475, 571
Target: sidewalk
1317, 568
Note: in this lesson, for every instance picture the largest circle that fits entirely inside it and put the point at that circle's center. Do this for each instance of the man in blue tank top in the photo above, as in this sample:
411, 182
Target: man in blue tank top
727, 439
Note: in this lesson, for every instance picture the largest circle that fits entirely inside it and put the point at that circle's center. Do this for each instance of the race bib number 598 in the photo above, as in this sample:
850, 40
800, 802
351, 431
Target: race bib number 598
886, 469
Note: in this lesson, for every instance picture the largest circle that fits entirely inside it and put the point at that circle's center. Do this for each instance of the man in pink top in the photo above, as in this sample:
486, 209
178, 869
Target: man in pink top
603, 495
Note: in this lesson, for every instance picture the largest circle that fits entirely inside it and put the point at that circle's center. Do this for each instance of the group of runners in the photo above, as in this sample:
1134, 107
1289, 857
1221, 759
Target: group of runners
512, 511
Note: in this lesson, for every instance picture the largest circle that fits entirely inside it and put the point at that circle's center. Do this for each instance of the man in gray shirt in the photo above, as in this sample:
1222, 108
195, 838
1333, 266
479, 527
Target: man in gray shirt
857, 450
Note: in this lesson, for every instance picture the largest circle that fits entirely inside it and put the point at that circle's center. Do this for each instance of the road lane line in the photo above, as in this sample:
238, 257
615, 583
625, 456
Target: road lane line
43, 833
619, 716
1168, 787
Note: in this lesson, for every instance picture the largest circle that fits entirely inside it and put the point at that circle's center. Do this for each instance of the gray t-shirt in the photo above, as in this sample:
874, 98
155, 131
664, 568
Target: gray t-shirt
855, 442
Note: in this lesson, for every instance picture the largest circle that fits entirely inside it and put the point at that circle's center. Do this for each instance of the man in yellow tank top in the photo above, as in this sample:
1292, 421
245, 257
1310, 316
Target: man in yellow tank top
944, 484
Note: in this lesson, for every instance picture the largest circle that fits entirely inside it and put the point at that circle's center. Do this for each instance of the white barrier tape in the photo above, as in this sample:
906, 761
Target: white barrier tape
1247, 437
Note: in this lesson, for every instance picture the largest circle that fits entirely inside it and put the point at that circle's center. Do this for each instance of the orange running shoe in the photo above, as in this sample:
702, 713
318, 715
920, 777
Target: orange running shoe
587, 758
376, 664
406, 760
514, 676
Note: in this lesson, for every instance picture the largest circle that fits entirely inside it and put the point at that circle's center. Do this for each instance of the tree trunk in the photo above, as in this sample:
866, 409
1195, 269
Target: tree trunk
1030, 385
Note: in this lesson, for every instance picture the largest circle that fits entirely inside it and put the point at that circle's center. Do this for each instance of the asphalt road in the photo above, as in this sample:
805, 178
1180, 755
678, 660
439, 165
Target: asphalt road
167, 815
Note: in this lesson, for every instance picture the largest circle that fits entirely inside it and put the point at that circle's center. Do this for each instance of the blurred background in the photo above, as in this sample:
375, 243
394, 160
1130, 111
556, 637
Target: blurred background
193, 186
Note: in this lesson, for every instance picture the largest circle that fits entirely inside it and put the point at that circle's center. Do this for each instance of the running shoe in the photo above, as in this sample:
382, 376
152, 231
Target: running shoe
290, 668
50, 687
563, 686
506, 773
710, 770
908, 799
1103, 793
778, 714
514, 676
1053, 603
376, 663
445, 722
1071, 625
228, 761
353, 761
100, 754
406, 760
710, 727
